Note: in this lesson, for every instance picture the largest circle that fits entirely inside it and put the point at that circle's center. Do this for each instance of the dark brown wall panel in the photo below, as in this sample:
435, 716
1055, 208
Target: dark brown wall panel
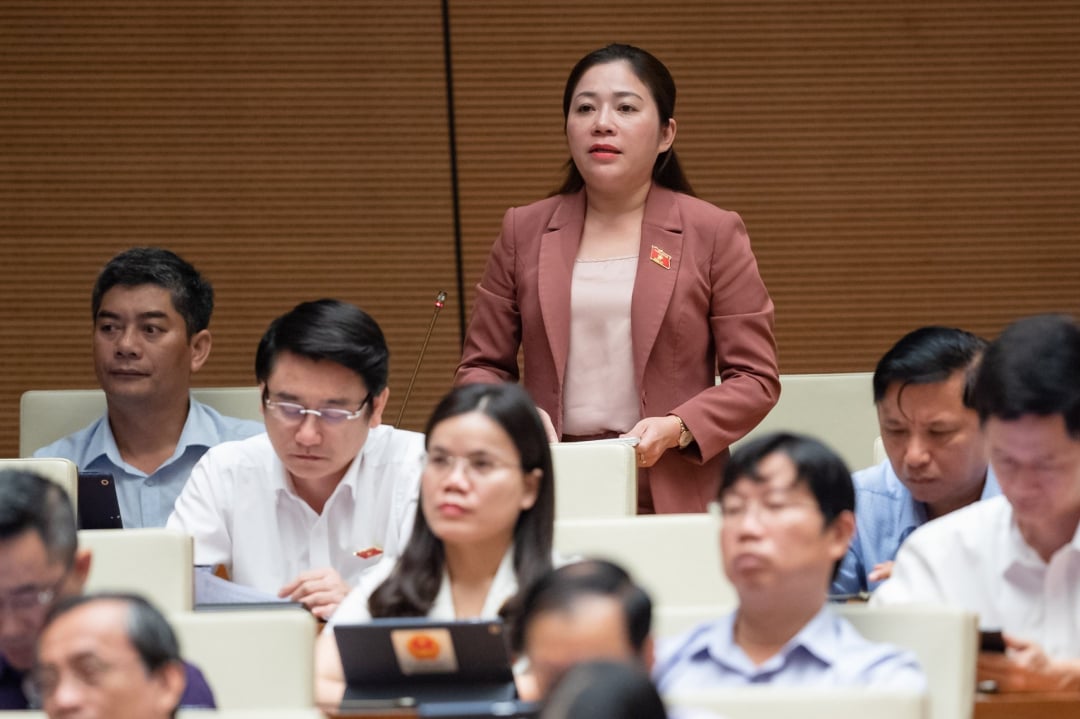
290, 150
897, 164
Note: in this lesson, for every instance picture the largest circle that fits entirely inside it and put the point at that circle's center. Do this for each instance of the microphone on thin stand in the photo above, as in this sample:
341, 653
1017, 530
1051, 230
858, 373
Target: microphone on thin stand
440, 300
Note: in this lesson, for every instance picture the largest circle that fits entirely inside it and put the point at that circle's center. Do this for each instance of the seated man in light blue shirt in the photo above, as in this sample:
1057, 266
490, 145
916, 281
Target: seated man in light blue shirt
937, 457
787, 503
151, 312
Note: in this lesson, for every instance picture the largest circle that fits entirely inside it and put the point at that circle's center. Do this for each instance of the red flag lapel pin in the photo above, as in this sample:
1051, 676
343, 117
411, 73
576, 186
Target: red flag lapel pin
660, 257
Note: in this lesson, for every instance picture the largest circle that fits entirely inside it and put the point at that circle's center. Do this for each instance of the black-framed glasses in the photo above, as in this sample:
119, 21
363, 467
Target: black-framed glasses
293, 413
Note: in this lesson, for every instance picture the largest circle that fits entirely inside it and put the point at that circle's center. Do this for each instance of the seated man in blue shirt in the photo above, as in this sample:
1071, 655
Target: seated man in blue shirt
40, 564
937, 457
787, 504
151, 313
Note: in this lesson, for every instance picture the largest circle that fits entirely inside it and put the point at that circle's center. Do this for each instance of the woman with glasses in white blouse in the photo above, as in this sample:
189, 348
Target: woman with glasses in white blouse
483, 528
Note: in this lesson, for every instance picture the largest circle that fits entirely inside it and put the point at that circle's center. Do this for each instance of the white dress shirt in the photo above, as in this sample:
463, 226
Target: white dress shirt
354, 608
976, 559
244, 513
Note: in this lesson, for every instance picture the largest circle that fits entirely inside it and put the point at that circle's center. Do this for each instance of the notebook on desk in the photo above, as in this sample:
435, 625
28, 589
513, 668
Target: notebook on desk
98, 507
416, 661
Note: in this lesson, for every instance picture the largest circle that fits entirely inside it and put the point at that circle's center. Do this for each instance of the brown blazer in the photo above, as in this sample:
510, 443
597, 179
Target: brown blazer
708, 313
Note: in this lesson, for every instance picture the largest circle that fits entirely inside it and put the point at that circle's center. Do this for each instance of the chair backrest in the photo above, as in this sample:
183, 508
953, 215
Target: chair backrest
47, 415
62, 471
670, 621
253, 659
771, 702
594, 480
298, 713
675, 557
836, 408
879, 451
944, 639
250, 714
156, 563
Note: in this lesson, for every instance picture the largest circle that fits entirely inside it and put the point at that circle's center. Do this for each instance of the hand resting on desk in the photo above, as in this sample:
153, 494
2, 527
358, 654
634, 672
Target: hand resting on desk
1025, 667
320, 590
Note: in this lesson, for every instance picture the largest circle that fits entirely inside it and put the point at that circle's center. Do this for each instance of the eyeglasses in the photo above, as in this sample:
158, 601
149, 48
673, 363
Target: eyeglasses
476, 467
27, 601
292, 413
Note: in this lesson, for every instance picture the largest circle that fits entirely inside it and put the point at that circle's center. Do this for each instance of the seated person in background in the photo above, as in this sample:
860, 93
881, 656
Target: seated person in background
304, 509
151, 310
787, 503
108, 656
605, 690
581, 612
484, 526
1015, 560
41, 564
937, 459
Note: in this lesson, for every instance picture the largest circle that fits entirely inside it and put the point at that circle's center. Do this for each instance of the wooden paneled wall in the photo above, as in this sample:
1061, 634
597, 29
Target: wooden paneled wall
897, 163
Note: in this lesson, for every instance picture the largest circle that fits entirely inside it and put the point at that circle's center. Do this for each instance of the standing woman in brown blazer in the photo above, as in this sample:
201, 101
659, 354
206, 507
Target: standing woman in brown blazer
629, 295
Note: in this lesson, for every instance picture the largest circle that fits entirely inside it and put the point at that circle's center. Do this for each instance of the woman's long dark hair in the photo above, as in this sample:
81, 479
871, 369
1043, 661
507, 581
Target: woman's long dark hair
667, 172
411, 588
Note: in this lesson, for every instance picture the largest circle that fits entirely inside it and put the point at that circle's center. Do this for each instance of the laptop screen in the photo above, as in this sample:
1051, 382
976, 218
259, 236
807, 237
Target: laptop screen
425, 661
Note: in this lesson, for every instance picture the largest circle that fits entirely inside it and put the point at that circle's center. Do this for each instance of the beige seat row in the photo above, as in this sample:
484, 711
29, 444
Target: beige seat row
676, 558
270, 713
944, 640
593, 481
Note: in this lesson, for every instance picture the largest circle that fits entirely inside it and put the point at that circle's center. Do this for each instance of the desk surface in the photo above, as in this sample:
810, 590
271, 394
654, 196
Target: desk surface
1018, 705
1063, 705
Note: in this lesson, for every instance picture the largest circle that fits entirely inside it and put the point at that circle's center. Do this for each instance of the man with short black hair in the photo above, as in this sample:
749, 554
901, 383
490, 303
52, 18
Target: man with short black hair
787, 503
108, 656
302, 510
1015, 559
937, 460
151, 313
580, 612
40, 564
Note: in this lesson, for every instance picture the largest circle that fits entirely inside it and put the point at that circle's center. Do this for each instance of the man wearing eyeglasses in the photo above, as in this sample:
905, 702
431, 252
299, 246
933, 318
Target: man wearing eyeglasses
303, 510
40, 564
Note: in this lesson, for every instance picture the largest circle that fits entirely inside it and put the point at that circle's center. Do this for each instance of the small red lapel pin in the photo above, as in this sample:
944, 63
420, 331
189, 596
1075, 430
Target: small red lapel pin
660, 257
368, 553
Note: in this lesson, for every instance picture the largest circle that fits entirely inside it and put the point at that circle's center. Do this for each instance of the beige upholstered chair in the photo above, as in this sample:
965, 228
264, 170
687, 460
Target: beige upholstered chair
62, 471
675, 557
836, 408
156, 563
258, 659
47, 415
879, 451
768, 702
298, 713
594, 480
945, 641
